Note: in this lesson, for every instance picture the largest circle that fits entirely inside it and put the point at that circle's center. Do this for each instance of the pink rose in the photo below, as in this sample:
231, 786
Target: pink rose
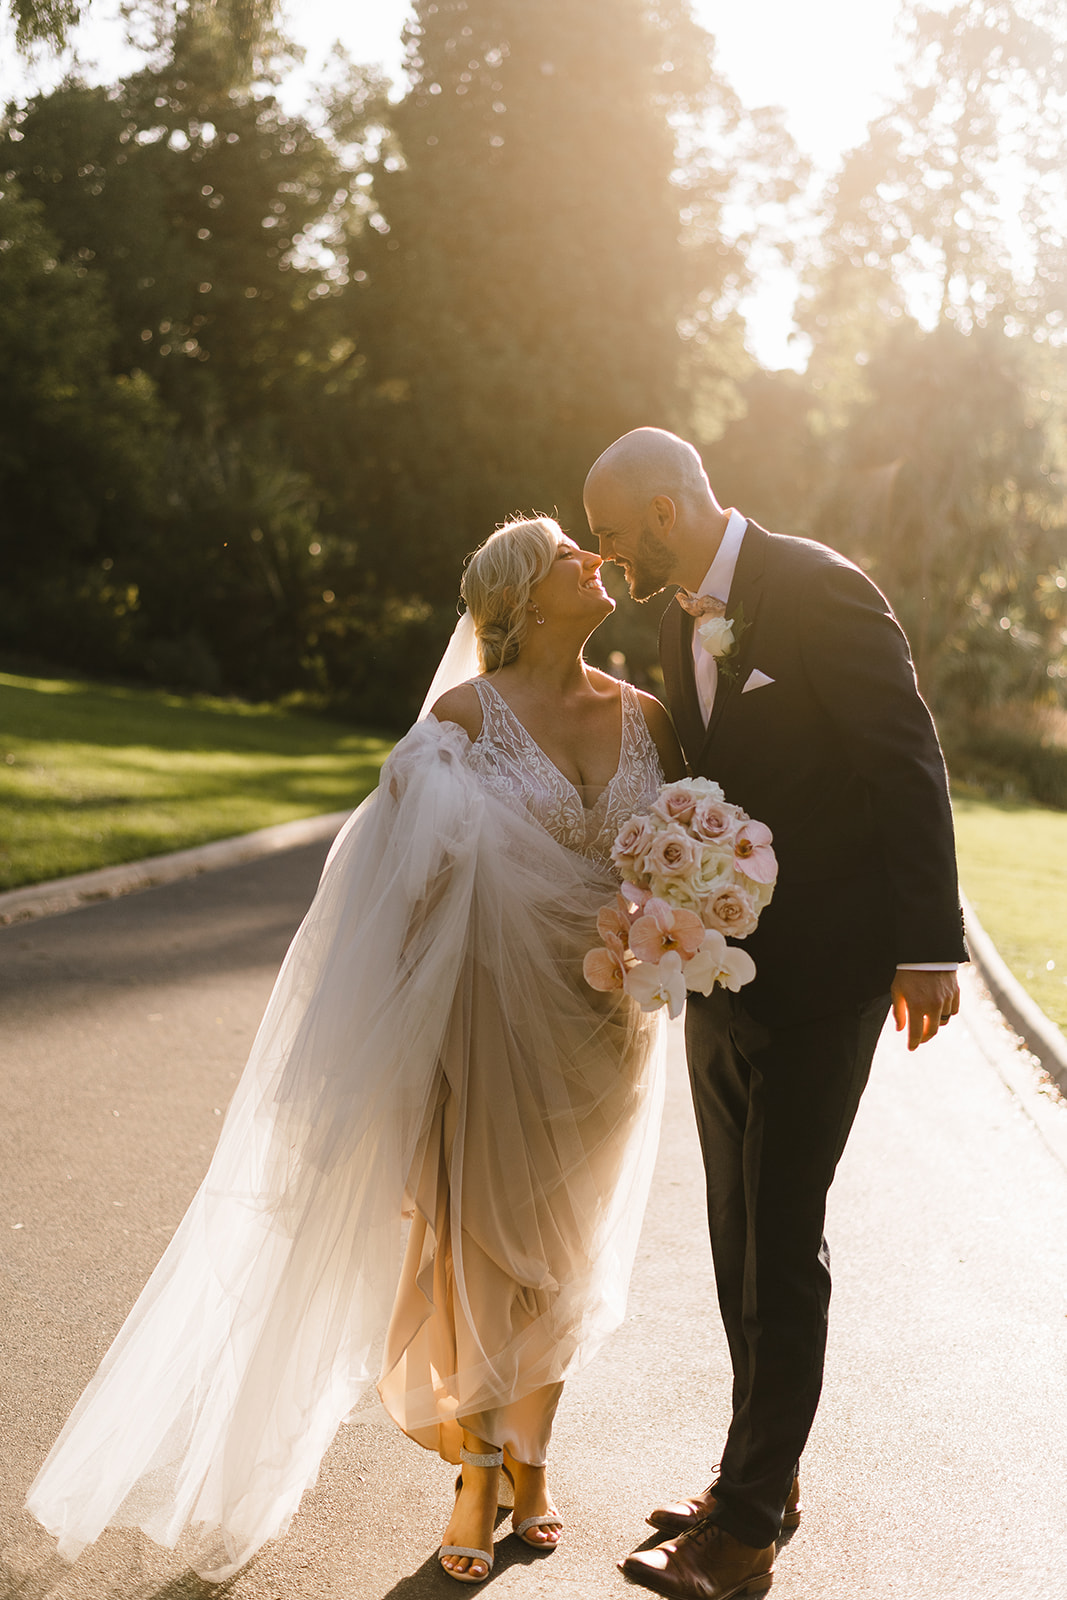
631, 842
714, 820
672, 853
731, 911
675, 802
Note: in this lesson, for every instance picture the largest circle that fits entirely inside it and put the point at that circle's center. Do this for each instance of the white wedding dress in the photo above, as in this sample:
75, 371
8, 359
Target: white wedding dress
430, 1051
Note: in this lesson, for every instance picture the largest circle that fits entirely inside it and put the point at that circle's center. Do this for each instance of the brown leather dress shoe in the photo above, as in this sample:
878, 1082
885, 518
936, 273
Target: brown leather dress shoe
707, 1563
681, 1515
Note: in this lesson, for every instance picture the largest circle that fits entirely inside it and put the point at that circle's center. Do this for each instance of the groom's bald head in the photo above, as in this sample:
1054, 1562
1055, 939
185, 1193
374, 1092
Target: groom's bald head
650, 461
650, 505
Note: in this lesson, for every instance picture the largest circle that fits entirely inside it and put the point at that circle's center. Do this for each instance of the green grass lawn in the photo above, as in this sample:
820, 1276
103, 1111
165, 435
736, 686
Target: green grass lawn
91, 775
1013, 867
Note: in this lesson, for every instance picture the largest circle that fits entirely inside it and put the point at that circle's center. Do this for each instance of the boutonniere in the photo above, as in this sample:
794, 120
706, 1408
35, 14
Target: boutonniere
721, 637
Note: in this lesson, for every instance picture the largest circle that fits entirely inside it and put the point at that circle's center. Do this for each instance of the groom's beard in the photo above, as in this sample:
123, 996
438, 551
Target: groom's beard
651, 567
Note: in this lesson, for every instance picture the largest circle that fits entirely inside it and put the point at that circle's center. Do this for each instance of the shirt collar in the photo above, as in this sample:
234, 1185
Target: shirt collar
720, 575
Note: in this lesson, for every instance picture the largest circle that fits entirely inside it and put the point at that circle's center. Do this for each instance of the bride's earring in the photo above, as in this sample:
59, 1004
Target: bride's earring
538, 617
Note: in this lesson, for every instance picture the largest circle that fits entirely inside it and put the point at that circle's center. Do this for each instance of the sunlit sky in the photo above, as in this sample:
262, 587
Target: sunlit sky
829, 64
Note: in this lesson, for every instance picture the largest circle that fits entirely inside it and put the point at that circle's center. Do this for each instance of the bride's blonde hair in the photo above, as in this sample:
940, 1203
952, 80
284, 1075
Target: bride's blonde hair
497, 582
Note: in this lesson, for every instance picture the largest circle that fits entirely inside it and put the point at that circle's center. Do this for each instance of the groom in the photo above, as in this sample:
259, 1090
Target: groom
804, 706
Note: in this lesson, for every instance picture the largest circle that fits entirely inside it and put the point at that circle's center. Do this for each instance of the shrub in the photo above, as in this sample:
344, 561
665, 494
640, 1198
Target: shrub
1017, 752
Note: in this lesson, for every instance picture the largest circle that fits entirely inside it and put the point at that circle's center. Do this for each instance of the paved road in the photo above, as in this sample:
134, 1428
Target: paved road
937, 1465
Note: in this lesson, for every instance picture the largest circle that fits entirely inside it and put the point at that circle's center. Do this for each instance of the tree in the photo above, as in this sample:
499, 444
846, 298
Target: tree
80, 449
543, 252
771, 458
941, 440
948, 490
50, 22
970, 154
186, 201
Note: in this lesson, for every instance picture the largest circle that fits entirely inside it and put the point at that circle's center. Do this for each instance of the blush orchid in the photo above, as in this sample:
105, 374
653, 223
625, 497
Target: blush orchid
635, 896
604, 970
613, 928
753, 854
661, 929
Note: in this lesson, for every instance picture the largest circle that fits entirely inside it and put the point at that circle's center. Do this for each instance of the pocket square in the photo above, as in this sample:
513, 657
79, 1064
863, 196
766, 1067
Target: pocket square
756, 680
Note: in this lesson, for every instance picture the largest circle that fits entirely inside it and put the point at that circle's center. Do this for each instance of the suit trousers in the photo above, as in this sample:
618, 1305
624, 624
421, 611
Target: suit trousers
774, 1107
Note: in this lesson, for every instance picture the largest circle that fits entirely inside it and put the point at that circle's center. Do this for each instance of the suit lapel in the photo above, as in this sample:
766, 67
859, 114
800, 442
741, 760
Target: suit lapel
676, 655
745, 594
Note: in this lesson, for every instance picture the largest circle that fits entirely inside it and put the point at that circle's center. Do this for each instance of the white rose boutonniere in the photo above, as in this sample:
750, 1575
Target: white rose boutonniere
720, 637
716, 635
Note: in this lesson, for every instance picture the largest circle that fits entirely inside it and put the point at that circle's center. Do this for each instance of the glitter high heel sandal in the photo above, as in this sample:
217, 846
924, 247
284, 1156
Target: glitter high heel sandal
485, 1557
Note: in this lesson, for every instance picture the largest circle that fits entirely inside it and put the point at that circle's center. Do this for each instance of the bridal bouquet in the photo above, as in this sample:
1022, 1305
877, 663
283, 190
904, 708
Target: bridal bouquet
695, 869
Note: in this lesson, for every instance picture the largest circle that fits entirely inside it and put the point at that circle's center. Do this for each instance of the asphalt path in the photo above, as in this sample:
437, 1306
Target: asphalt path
938, 1462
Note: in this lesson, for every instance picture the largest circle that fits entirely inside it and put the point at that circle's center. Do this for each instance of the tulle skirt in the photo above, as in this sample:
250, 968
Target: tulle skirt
430, 1053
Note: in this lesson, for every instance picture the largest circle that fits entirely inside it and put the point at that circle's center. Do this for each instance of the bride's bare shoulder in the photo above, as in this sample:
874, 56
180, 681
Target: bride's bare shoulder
462, 706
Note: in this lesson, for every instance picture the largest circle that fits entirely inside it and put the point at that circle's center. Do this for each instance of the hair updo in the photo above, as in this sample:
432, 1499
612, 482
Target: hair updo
497, 582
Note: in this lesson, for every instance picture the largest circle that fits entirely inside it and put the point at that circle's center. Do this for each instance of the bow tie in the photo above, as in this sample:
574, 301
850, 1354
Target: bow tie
701, 605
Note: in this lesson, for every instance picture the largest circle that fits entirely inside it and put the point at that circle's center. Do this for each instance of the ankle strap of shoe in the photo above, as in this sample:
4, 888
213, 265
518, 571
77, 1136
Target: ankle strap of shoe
472, 1460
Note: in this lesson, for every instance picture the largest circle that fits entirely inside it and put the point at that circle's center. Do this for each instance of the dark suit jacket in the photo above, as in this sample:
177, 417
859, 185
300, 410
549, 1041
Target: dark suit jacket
840, 758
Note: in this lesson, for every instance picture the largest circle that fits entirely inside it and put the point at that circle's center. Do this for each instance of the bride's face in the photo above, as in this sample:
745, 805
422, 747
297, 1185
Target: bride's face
573, 586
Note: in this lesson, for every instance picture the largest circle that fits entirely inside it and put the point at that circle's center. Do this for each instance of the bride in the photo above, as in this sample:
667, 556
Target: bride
430, 1052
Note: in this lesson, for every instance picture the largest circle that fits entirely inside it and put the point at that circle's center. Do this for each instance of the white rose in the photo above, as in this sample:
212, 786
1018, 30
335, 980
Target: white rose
707, 787
677, 893
760, 892
717, 635
713, 871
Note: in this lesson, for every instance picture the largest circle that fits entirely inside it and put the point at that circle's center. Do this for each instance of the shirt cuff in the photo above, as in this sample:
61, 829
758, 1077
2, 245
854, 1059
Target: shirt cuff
928, 966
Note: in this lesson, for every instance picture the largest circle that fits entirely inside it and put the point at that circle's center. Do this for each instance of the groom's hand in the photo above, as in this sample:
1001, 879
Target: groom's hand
922, 1002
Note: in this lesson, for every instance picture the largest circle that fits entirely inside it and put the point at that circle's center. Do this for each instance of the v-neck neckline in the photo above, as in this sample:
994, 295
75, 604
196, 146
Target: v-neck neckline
573, 787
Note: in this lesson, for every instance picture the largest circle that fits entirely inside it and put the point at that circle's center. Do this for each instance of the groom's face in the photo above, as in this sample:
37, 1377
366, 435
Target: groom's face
633, 538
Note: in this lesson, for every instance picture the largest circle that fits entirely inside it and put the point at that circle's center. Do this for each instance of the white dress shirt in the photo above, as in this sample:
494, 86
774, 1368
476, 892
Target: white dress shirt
717, 582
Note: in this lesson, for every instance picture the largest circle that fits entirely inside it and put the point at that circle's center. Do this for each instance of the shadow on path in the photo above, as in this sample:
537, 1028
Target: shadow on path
212, 925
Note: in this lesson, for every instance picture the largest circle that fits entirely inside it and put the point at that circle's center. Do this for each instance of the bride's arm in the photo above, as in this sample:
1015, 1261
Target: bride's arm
664, 737
461, 707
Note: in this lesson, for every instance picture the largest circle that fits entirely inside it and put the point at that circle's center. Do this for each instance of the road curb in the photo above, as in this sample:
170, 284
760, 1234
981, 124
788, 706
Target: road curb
1039, 1033
86, 888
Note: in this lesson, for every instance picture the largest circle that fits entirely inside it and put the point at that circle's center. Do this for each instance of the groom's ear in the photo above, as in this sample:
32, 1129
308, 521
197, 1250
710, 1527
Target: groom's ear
664, 514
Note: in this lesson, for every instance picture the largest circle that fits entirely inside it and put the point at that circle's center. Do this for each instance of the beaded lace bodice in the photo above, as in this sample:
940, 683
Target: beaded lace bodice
515, 767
